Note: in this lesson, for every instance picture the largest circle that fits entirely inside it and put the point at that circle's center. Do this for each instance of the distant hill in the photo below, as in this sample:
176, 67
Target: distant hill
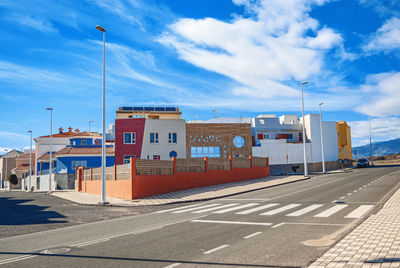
379, 148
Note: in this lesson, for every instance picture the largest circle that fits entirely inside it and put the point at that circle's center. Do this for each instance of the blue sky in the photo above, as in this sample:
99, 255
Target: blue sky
240, 57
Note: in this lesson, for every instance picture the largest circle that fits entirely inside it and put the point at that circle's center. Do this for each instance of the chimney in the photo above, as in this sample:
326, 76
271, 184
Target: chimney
77, 130
70, 129
60, 130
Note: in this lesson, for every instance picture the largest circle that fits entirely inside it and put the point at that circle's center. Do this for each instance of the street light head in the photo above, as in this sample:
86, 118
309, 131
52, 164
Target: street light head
49, 109
98, 27
30, 131
305, 82
320, 103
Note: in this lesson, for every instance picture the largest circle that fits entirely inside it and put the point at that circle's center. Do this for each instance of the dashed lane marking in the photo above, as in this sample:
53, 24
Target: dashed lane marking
252, 235
215, 249
234, 222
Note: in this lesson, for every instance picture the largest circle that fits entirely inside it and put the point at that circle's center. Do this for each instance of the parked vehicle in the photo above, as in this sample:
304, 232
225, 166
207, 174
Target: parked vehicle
362, 162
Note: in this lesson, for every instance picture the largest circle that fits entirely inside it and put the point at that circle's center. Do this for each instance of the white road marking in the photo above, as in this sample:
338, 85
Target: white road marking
304, 210
342, 197
235, 222
349, 194
277, 225
191, 209
247, 199
172, 209
215, 249
330, 211
235, 208
214, 208
314, 223
355, 191
90, 242
19, 258
360, 188
173, 265
279, 210
244, 212
252, 235
357, 213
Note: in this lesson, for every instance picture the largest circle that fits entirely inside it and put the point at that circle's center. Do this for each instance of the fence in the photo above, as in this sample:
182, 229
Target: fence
142, 178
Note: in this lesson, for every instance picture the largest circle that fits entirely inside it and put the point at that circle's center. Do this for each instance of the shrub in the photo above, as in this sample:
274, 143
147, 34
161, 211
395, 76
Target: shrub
13, 179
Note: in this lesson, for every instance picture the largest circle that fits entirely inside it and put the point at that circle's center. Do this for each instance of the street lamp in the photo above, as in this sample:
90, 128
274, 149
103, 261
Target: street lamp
51, 146
90, 123
370, 141
322, 139
304, 131
30, 163
6, 184
103, 144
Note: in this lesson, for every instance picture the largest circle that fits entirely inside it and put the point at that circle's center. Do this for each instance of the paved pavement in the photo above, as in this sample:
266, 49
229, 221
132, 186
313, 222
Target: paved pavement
374, 243
196, 194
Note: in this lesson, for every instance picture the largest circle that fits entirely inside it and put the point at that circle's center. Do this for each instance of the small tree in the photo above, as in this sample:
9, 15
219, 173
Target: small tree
13, 179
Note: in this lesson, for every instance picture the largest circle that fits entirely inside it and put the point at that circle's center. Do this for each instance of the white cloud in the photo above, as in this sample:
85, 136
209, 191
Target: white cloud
386, 38
264, 54
383, 7
41, 25
382, 92
382, 128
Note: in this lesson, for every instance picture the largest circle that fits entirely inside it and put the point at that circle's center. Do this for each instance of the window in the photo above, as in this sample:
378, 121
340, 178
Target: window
260, 136
338, 134
84, 142
81, 163
156, 157
205, 151
172, 137
340, 151
127, 158
154, 137
238, 141
262, 121
173, 154
266, 136
97, 142
129, 138
72, 142
289, 136
344, 151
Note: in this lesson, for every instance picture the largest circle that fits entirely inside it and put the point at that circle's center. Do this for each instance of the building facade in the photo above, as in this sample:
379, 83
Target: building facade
344, 142
149, 133
7, 163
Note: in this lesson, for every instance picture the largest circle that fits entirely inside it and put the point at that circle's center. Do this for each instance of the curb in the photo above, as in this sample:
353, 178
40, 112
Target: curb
193, 200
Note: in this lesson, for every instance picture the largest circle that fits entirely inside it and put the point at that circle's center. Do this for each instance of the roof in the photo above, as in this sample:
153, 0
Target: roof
84, 150
60, 135
44, 157
222, 120
25, 155
88, 134
12, 154
23, 167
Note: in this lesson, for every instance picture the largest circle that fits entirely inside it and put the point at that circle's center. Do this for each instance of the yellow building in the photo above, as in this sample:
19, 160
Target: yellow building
344, 141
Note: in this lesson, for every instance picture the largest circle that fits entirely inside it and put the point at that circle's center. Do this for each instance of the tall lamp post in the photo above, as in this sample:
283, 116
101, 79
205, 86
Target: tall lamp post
103, 143
30, 163
370, 141
51, 146
90, 123
6, 184
304, 131
322, 139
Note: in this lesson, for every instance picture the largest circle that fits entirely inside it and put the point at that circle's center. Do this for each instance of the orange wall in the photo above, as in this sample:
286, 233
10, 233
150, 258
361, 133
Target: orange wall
118, 189
148, 185
141, 186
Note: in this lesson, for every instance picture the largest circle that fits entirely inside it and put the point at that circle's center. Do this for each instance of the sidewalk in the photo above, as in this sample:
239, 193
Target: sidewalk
374, 243
196, 194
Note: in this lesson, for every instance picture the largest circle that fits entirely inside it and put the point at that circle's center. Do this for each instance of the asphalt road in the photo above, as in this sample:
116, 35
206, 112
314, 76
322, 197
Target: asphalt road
284, 226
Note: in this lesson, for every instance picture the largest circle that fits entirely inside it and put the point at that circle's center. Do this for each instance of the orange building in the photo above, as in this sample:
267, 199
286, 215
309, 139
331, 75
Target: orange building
344, 142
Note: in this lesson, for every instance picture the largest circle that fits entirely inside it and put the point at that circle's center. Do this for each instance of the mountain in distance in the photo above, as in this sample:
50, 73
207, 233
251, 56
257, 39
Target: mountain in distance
378, 148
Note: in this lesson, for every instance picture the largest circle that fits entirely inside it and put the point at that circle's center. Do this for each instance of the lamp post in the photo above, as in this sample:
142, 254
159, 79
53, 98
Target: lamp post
304, 131
103, 143
370, 141
6, 171
51, 146
90, 123
30, 163
322, 139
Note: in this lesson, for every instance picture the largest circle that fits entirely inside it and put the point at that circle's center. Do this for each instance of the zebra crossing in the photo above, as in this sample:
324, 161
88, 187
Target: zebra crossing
289, 210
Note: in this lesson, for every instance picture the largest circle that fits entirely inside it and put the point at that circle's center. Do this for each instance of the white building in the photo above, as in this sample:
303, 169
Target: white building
280, 139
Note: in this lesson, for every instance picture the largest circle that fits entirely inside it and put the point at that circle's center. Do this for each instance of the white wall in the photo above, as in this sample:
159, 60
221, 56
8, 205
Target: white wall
277, 150
163, 148
44, 182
